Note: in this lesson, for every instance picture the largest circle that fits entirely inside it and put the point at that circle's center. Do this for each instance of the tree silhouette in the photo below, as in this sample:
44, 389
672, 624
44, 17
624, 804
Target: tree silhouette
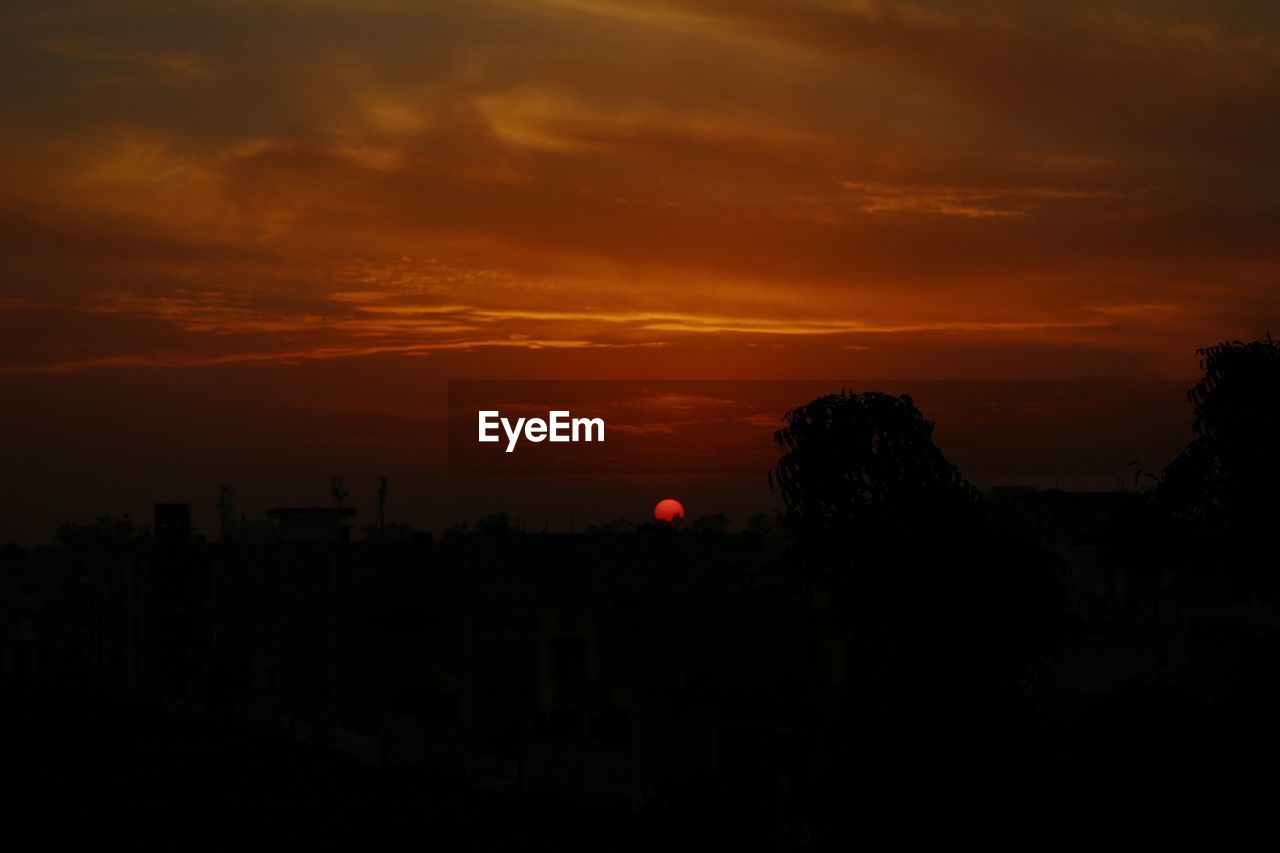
497, 524
711, 525
1223, 486
1216, 506
104, 532
863, 467
932, 594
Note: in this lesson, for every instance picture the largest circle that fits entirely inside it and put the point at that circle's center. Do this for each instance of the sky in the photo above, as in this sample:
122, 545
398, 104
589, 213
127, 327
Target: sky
219, 215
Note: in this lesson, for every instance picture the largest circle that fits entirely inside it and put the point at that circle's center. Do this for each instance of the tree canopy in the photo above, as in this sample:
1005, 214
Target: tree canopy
1216, 506
929, 589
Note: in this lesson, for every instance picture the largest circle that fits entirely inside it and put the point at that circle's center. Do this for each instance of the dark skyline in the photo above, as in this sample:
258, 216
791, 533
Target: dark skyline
946, 322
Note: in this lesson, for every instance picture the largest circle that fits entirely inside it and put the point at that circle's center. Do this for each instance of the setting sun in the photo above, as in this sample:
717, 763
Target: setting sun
669, 510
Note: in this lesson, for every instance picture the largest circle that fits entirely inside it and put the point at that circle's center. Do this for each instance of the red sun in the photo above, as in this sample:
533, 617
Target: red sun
669, 510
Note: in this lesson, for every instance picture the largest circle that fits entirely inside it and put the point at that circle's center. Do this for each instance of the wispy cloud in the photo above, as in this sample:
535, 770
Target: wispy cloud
590, 174
969, 202
201, 329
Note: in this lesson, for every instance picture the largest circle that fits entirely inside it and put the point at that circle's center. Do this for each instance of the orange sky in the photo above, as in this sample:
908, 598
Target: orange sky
598, 188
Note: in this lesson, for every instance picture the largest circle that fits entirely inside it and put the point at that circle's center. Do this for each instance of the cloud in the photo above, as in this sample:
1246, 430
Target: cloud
596, 174
969, 202
201, 329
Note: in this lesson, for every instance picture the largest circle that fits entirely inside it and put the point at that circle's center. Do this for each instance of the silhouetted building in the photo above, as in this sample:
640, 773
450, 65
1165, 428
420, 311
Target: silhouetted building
1178, 629
585, 664
591, 664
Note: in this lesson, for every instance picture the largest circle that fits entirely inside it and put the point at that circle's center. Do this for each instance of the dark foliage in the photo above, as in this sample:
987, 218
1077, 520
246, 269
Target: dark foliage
1216, 507
932, 591
943, 618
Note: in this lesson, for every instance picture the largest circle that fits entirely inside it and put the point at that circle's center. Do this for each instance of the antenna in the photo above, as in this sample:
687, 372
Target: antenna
338, 491
382, 500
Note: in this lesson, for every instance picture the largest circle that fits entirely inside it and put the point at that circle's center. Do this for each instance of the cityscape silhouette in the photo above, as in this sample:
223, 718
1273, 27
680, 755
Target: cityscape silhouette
893, 643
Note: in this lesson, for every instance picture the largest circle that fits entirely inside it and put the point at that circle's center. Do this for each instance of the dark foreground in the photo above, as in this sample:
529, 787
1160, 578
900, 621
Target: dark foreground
105, 774
1151, 766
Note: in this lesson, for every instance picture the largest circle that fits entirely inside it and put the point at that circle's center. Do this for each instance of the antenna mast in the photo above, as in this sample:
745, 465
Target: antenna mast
338, 491
382, 500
